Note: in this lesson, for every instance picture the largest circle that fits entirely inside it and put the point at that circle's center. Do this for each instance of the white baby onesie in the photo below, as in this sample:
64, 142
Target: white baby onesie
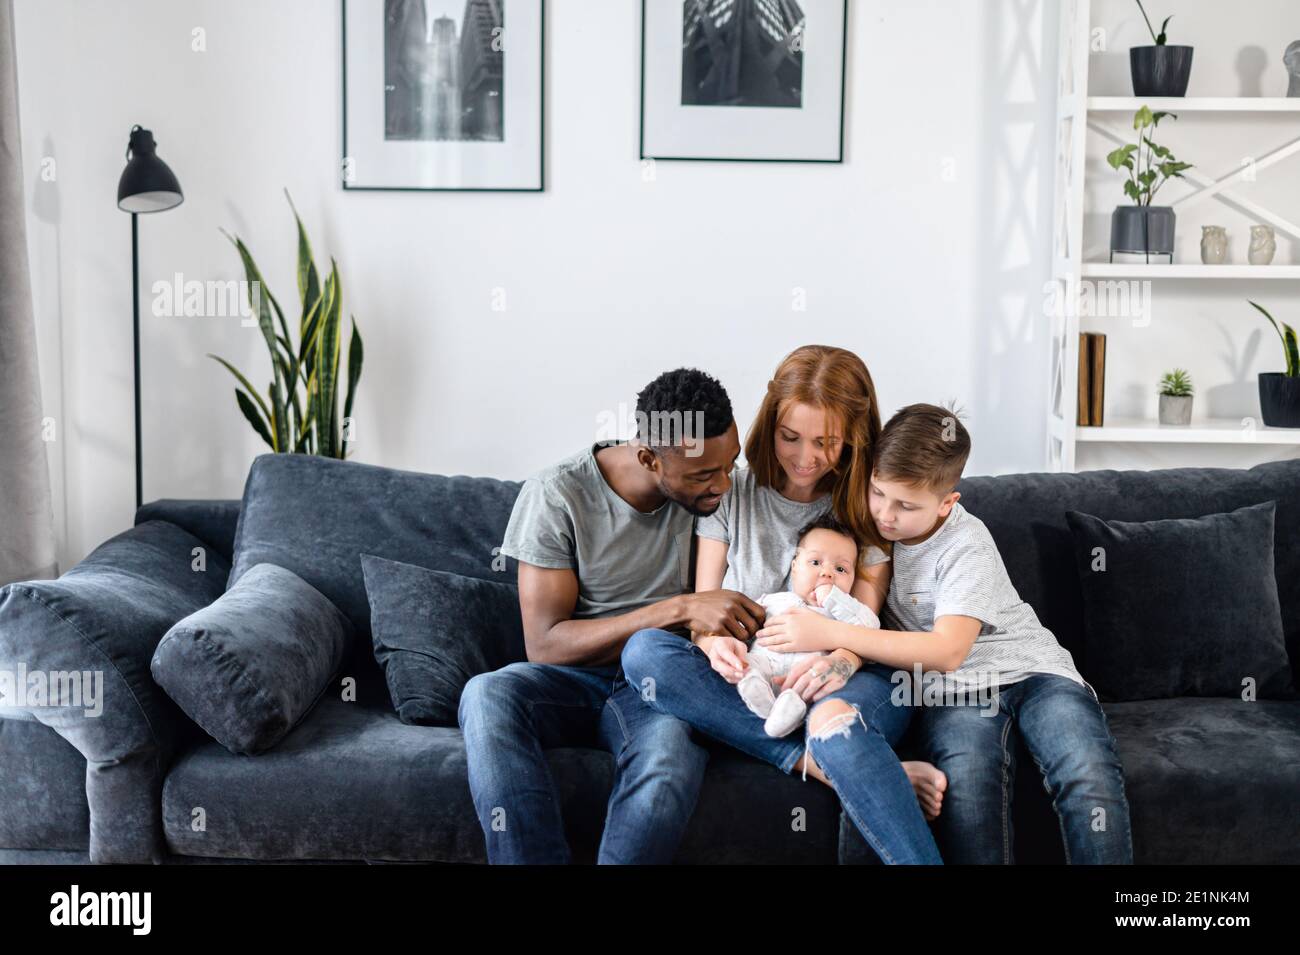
784, 713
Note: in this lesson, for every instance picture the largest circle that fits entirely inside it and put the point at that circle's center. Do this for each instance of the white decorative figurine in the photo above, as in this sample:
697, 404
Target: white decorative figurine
1263, 244
1214, 244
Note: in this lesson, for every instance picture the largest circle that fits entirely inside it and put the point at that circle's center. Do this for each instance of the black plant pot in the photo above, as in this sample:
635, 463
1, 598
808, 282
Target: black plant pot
1160, 70
1143, 230
1279, 399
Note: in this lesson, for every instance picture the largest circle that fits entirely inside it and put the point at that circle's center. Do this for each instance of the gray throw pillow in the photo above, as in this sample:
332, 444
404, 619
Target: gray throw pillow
1182, 607
248, 667
433, 630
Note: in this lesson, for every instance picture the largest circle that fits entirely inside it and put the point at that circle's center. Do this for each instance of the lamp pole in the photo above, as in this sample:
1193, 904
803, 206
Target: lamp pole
147, 185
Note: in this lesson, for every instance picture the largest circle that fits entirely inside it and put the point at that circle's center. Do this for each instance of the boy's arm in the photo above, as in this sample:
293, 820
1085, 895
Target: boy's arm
944, 648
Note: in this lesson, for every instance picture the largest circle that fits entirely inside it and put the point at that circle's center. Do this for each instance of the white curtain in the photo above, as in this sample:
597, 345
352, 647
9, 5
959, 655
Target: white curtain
26, 515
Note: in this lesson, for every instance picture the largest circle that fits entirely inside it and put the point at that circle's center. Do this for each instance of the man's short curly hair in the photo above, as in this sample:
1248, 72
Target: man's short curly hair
679, 405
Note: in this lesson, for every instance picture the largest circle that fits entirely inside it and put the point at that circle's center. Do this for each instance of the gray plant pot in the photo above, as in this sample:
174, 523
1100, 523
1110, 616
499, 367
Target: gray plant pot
1143, 230
1160, 70
1176, 409
1279, 399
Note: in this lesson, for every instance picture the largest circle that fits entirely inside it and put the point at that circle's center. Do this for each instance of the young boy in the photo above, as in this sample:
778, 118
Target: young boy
952, 608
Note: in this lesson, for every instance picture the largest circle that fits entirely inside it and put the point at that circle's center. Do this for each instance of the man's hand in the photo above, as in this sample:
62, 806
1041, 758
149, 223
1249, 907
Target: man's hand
797, 630
722, 612
727, 654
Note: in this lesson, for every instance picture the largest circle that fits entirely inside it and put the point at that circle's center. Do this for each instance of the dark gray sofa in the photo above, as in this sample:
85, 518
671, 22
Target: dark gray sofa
1209, 780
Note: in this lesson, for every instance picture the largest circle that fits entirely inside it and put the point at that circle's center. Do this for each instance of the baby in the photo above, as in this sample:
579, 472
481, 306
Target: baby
821, 576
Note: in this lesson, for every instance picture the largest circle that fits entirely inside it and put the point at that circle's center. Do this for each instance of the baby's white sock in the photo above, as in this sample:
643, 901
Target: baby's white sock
757, 693
787, 713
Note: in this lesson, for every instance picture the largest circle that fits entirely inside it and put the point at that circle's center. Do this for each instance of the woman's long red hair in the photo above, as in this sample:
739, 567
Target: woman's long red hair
837, 381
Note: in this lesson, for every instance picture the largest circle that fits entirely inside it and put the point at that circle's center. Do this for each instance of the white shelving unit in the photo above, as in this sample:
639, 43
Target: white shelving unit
1078, 116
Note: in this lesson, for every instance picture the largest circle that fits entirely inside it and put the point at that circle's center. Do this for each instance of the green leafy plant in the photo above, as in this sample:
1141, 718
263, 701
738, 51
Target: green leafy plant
1176, 383
299, 413
1289, 345
1149, 168
1162, 39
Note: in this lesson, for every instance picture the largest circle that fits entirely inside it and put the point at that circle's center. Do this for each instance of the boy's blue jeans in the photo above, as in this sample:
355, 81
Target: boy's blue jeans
675, 677
1065, 730
512, 715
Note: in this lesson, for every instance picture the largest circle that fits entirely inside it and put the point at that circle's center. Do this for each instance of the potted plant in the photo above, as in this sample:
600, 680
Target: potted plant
1160, 70
300, 413
1279, 391
1144, 227
1176, 397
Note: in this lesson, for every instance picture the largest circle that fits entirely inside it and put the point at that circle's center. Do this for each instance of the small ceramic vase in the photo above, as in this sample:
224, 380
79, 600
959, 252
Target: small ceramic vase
1214, 244
1263, 245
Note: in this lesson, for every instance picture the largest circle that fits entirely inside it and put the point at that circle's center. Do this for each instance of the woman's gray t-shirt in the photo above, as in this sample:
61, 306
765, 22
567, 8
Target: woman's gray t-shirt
761, 528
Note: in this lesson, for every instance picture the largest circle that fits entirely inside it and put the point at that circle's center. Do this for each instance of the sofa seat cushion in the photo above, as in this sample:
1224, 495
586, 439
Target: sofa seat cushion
1211, 779
352, 782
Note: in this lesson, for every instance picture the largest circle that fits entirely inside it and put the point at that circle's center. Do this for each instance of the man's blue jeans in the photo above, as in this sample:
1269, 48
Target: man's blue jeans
512, 715
1065, 731
675, 676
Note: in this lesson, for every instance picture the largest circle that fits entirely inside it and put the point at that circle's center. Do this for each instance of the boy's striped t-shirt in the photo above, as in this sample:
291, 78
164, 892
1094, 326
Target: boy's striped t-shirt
957, 570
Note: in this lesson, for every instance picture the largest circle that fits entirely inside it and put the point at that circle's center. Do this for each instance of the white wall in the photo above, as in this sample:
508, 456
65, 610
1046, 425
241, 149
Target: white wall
925, 252
1206, 327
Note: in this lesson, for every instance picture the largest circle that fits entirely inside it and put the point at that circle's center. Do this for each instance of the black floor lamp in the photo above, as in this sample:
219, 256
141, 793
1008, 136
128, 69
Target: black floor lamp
147, 185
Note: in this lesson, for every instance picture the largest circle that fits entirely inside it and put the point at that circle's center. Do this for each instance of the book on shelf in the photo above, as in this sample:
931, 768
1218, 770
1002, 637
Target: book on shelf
1092, 379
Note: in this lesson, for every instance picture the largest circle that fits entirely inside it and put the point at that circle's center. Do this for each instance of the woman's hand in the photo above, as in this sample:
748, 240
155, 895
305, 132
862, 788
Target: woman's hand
798, 630
818, 677
727, 655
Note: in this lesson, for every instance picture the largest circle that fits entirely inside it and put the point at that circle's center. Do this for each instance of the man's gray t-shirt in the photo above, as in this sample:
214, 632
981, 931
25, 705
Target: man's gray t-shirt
567, 516
760, 527
958, 571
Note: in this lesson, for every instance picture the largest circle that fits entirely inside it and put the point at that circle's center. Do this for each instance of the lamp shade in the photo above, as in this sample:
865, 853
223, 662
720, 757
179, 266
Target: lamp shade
147, 185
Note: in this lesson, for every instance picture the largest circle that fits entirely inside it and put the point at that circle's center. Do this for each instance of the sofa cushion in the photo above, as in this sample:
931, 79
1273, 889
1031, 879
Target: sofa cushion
1210, 780
1182, 607
316, 516
102, 620
354, 782
253, 663
433, 630
1025, 513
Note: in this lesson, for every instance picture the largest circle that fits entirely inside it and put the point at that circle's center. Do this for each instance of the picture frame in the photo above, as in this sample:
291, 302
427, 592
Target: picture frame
443, 95
714, 89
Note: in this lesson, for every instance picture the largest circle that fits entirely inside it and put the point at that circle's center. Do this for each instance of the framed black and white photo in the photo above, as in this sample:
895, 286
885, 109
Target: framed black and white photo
758, 80
442, 94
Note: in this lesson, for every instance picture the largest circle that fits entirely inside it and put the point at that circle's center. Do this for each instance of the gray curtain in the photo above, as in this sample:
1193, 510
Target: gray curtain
26, 516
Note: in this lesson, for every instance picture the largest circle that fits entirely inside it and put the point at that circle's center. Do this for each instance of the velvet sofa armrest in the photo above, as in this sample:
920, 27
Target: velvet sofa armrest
75, 653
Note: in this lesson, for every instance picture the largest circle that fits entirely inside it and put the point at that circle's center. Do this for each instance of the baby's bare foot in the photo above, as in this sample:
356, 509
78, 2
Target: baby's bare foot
929, 784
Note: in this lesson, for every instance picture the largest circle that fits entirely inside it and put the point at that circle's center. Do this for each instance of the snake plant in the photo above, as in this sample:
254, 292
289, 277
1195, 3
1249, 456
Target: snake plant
1289, 343
299, 413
